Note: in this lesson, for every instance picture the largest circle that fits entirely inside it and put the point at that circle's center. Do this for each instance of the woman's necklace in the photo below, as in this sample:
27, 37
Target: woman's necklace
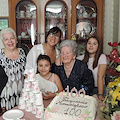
49, 76
48, 51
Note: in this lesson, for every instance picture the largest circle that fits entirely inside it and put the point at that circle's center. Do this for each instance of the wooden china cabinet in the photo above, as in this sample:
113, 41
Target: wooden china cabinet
31, 19
87, 20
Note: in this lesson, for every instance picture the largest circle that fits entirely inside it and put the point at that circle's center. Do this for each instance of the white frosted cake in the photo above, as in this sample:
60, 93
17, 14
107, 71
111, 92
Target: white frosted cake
64, 107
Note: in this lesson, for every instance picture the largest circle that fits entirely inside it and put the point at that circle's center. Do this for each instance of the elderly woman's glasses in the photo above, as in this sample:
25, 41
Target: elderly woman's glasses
54, 35
66, 54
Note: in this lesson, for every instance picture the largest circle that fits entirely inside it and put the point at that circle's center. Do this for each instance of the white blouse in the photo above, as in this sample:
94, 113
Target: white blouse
46, 85
33, 55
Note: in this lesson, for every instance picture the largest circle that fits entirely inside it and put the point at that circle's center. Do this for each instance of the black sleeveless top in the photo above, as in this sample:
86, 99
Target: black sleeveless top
3, 81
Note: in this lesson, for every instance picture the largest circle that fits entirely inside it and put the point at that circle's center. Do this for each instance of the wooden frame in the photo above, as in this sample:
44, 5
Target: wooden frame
4, 22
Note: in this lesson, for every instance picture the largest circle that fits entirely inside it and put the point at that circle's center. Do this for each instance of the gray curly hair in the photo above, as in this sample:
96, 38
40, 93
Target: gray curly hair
70, 43
7, 30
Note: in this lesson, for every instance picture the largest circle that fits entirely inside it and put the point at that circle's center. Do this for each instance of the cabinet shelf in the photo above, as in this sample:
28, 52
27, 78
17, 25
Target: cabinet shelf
24, 39
25, 18
86, 18
81, 40
56, 18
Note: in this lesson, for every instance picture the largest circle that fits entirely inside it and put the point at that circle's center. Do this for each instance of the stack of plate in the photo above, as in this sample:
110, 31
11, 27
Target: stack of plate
14, 114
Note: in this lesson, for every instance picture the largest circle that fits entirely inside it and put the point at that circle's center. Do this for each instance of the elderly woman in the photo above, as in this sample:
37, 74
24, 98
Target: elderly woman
12, 60
73, 72
48, 48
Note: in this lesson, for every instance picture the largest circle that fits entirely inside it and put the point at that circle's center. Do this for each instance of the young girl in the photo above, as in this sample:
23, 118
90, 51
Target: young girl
49, 82
96, 62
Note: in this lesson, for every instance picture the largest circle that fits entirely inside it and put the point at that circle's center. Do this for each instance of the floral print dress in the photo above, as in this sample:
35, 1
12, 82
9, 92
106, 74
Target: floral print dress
14, 69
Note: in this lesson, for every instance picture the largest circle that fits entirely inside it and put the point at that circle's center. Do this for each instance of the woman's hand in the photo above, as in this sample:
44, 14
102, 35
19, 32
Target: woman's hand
3, 111
58, 61
101, 97
26, 76
48, 95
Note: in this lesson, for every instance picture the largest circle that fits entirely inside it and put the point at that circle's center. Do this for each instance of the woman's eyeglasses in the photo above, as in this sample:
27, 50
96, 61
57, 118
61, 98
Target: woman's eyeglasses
54, 35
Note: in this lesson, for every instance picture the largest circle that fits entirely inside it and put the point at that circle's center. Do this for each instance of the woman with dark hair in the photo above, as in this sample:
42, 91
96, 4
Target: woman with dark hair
48, 48
3, 82
97, 63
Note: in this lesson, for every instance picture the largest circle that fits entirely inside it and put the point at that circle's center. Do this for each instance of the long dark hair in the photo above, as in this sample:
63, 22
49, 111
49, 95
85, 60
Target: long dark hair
43, 57
97, 55
54, 30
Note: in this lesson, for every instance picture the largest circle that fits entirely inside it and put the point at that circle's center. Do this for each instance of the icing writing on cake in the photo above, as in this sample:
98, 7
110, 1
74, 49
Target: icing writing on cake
66, 107
71, 106
66, 101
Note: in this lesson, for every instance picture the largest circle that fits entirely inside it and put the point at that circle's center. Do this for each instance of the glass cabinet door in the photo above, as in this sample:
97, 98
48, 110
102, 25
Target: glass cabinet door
85, 22
56, 15
26, 28
86, 19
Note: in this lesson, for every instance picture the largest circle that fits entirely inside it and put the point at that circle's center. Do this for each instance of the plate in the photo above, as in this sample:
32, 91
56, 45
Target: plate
87, 26
13, 114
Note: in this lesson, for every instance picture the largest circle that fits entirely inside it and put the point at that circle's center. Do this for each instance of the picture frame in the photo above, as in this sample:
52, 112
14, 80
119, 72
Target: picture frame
4, 22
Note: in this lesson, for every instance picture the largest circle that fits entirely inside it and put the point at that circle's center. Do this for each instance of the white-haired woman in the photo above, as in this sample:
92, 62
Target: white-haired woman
12, 60
73, 72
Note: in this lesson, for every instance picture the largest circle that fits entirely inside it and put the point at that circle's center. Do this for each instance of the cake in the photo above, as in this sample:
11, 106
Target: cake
67, 107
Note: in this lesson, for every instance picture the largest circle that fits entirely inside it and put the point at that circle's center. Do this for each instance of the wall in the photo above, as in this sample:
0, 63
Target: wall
111, 21
3, 8
3, 13
119, 25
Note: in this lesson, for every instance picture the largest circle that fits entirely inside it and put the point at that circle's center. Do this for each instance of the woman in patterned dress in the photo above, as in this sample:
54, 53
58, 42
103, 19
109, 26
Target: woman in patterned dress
12, 60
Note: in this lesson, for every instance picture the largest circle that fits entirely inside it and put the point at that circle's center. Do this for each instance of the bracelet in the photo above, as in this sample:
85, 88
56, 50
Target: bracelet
100, 94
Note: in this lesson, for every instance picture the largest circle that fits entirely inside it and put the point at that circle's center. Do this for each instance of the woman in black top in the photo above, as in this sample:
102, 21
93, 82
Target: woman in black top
3, 82
73, 72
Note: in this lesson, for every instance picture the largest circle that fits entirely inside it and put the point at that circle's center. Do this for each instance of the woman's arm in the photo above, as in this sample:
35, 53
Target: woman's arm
58, 83
29, 61
87, 80
101, 73
32, 57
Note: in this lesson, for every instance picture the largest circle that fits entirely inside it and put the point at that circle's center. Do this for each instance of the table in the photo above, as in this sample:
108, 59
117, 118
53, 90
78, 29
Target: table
30, 116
